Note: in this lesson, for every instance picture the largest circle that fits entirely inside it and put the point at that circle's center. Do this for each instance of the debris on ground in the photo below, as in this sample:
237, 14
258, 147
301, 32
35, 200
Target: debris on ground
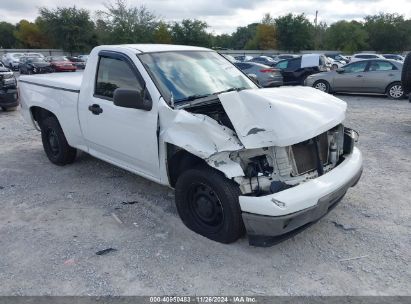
354, 258
130, 203
116, 218
105, 251
344, 227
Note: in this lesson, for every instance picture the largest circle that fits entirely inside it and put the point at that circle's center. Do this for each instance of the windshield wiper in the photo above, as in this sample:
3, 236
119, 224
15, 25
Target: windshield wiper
192, 97
198, 96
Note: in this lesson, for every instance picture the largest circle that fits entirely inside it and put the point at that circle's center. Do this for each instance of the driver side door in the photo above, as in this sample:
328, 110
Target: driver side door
123, 136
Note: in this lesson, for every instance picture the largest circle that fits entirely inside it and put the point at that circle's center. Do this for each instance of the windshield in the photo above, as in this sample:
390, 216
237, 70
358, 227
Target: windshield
186, 75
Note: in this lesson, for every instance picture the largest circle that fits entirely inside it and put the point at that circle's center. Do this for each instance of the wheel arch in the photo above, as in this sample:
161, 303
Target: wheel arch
39, 113
326, 81
391, 83
178, 161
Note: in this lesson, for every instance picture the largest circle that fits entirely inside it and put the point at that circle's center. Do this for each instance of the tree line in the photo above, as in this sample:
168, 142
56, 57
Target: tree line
78, 30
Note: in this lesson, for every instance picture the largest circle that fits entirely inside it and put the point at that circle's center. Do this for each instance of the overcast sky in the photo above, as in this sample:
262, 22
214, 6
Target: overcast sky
223, 16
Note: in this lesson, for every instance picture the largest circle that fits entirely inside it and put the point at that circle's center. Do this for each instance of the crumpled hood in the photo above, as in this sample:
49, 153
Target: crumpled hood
281, 116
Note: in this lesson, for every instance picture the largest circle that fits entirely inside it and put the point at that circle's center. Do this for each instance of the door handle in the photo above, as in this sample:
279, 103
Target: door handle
390, 75
359, 76
95, 109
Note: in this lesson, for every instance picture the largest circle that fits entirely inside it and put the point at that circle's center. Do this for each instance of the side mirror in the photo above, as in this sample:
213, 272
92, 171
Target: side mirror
340, 70
134, 99
253, 77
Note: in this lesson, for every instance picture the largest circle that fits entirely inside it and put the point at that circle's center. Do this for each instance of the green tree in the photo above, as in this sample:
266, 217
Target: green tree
191, 32
7, 39
124, 24
294, 32
222, 41
243, 35
162, 34
68, 28
346, 36
388, 32
29, 35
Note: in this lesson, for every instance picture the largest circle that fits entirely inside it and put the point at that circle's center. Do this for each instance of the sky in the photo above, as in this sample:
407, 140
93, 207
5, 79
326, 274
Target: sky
222, 16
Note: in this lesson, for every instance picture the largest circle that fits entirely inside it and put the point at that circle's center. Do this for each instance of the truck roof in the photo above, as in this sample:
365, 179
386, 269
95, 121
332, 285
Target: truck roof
150, 48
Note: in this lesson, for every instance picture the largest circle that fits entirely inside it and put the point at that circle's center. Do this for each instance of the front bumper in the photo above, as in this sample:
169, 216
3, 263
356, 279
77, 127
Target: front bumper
9, 98
272, 218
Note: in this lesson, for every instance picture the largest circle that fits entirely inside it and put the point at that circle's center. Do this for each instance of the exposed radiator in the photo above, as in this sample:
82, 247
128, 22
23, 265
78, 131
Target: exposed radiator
305, 156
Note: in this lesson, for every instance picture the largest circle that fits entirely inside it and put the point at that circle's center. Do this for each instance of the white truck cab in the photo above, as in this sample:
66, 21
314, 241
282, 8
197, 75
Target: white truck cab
241, 158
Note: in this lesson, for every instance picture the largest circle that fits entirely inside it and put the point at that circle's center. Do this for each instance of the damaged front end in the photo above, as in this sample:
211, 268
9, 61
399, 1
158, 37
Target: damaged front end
286, 148
267, 154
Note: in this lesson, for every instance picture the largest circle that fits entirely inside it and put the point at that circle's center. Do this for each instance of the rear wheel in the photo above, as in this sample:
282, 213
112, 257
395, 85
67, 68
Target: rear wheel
55, 143
395, 91
207, 203
322, 85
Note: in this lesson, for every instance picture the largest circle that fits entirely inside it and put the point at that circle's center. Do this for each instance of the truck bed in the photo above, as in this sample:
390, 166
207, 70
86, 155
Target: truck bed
65, 80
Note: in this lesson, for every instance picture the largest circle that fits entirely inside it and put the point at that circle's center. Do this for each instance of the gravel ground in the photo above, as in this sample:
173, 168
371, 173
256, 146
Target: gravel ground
53, 220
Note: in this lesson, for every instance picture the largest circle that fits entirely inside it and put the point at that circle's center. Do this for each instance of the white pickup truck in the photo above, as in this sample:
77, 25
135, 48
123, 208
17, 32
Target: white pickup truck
241, 158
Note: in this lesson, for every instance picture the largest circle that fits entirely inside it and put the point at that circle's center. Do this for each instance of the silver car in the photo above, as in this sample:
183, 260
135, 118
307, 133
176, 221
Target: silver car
366, 76
266, 75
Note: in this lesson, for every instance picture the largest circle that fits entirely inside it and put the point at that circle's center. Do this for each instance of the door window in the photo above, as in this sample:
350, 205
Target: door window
381, 66
356, 67
282, 64
112, 74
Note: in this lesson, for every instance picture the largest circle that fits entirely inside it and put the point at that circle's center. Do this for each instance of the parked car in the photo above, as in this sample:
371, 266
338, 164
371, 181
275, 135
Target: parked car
83, 57
11, 60
80, 64
229, 57
61, 64
34, 65
266, 75
39, 55
8, 89
367, 76
334, 64
264, 60
269, 161
362, 56
296, 70
243, 58
394, 57
338, 57
280, 57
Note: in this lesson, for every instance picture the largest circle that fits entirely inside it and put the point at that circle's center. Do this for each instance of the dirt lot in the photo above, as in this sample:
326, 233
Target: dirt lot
53, 220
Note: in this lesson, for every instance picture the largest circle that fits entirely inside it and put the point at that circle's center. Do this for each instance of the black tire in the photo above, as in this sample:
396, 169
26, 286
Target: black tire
218, 217
395, 91
322, 85
406, 74
55, 143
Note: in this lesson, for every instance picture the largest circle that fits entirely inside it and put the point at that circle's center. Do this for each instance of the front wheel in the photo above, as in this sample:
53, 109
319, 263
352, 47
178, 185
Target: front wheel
207, 203
395, 91
322, 85
55, 143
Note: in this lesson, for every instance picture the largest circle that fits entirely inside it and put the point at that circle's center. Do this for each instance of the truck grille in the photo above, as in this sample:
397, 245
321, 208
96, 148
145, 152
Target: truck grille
305, 156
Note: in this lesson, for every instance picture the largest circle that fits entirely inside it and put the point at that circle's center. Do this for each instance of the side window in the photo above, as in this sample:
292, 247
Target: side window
381, 66
294, 63
112, 74
356, 67
282, 64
